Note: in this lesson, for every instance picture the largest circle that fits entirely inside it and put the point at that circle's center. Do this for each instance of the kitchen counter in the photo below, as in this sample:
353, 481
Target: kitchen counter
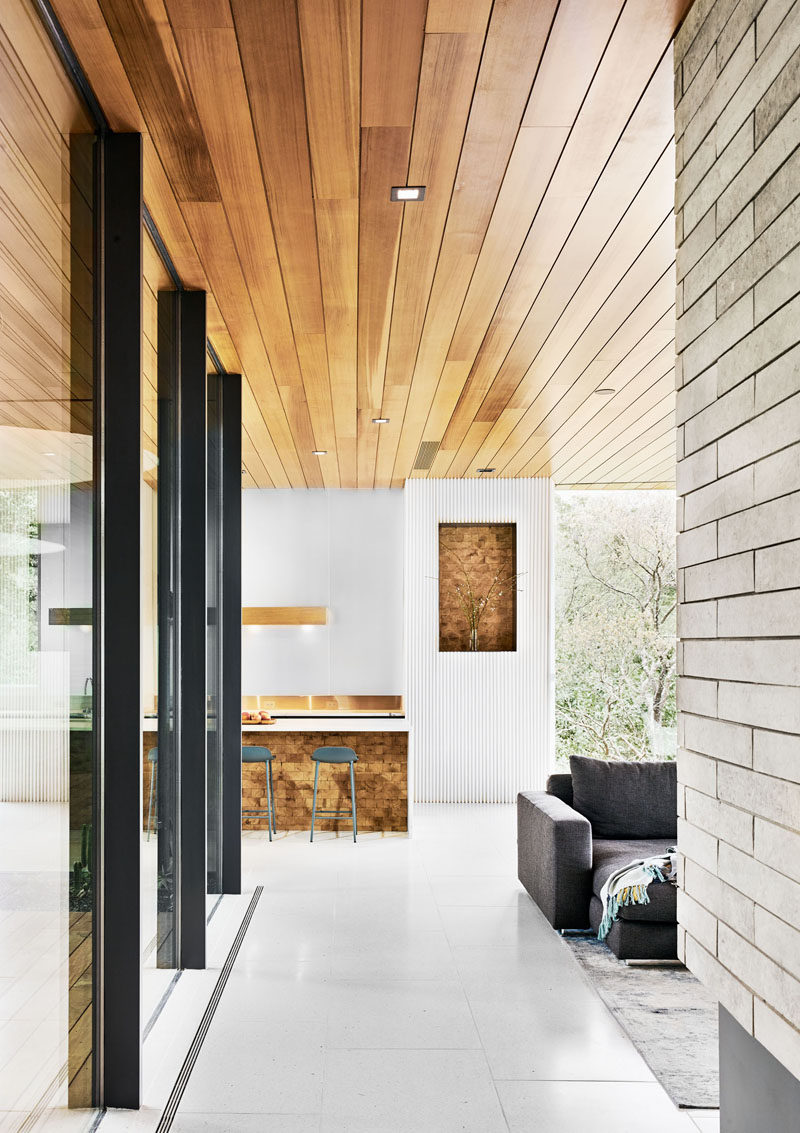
312, 723
382, 743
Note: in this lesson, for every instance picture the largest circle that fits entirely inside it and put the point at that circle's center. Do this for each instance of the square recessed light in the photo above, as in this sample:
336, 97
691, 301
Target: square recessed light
407, 193
380, 420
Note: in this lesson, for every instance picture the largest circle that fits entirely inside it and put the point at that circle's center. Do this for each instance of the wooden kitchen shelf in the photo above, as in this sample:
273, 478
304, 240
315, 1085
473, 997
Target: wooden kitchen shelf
284, 615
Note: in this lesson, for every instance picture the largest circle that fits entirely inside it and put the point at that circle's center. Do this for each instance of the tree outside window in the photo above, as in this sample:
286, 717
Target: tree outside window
615, 625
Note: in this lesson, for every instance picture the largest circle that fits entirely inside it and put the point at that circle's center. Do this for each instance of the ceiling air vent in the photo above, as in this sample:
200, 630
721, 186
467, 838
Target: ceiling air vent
426, 454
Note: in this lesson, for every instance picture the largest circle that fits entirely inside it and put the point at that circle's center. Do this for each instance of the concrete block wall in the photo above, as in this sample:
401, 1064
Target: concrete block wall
737, 82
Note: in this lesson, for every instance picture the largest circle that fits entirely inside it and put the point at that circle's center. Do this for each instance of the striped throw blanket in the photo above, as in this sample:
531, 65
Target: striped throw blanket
628, 886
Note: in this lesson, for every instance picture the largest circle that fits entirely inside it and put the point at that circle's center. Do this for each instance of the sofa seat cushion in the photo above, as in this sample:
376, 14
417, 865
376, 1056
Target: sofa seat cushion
609, 855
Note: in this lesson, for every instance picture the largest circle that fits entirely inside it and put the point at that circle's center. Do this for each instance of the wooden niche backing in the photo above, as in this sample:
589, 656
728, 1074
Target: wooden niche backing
484, 552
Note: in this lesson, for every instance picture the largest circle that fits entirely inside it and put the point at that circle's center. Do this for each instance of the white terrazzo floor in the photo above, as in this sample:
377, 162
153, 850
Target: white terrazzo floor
400, 986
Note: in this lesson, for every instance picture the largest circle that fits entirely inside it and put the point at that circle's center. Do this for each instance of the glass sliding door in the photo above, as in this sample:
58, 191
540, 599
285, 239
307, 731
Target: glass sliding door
47, 580
159, 746
214, 642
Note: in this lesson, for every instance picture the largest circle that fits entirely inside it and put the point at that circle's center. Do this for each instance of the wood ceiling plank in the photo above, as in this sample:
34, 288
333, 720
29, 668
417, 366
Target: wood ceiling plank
594, 137
535, 153
213, 66
273, 71
640, 414
201, 14
515, 40
391, 48
208, 226
391, 54
384, 162
582, 278
337, 224
539, 148
607, 242
649, 465
24, 39
624, 352
466, 16
599, 417
660, 465
447, 79
262, 437
572, 369
517, 451
143, 38
330, 35
628, 447
470, 318
580, 34
591, 354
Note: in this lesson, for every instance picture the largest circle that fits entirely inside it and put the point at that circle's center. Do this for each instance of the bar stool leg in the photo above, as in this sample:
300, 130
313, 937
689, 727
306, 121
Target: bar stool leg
153, 773
353, 800
314, 806
267, 776
272, 798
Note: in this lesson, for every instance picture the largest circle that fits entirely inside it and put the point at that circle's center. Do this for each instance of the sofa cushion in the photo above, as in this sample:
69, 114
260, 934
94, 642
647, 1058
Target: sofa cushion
626, 800
610, 855
560, 785
637, 940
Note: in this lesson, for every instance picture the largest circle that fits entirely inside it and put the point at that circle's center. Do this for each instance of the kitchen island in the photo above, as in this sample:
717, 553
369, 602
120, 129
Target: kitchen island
381, 743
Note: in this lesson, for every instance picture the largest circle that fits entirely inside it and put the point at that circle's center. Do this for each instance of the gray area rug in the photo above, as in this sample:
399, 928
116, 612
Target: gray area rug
668, 1015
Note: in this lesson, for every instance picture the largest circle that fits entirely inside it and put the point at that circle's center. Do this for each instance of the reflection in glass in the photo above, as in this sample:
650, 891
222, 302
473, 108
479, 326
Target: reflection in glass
47, 503
213, 642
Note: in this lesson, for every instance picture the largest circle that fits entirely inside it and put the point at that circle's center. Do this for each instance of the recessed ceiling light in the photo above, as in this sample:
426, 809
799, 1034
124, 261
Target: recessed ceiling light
479, 470
319, 452
48, 454
605, 392
380, 420
407, 193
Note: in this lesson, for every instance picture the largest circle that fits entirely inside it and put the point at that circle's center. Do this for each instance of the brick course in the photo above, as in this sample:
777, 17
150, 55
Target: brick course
738, 408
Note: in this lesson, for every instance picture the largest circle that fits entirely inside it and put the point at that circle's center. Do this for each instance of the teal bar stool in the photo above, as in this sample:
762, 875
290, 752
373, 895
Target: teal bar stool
335, 755
265, 756
152, 756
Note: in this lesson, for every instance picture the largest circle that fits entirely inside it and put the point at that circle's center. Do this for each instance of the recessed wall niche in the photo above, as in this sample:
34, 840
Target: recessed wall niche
477, 587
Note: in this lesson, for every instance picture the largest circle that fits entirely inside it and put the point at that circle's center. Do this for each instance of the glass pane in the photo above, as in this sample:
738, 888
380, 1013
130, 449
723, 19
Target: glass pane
47, 503
213, 643
158, 788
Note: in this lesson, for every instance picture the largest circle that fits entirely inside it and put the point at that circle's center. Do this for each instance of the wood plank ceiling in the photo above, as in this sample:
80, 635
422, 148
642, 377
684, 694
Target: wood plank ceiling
482, 320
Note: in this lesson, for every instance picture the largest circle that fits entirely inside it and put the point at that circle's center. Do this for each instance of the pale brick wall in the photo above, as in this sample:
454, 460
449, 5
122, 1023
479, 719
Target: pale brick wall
737, 82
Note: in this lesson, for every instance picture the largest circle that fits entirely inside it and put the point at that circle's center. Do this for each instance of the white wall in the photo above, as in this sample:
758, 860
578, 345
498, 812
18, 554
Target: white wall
343, 550
483, 723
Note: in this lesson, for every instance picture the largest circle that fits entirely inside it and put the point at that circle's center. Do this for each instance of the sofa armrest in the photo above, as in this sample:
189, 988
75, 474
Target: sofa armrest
554, 847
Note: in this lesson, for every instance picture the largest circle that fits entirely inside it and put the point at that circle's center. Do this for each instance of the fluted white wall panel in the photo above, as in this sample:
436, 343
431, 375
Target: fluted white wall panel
483, 723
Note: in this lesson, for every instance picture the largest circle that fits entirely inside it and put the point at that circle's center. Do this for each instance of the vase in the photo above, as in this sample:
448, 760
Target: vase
473, 640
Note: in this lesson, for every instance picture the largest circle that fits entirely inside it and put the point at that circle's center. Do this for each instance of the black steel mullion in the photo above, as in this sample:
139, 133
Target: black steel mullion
121, 723
230, 606
192, 486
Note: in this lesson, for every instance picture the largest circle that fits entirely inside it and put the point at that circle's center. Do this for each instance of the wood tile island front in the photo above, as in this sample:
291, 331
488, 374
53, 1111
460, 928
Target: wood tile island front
381, 773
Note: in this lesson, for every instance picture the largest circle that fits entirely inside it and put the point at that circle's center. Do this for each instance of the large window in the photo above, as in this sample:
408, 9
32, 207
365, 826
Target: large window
47, 510
615, 624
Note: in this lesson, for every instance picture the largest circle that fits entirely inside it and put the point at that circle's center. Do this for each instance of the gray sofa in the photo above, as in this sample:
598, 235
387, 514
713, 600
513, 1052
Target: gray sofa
585, 826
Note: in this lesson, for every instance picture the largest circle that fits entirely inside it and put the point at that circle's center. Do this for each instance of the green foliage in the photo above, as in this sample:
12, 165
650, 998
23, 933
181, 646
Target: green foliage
615, 625
80, 878
18, 584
